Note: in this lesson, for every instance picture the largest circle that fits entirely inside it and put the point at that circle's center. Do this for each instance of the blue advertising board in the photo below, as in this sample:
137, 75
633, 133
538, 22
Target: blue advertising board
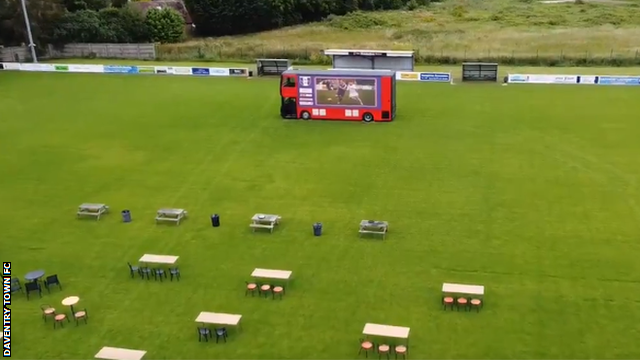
618, 80
200, 71
119, 69
435, 77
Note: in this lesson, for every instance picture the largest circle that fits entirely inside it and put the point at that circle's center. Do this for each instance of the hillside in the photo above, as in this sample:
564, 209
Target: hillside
506, 30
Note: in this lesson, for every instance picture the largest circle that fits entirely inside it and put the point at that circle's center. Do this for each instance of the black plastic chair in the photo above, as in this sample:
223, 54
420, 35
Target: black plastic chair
133, 270
221, 333
15, 285
52, 280
159, 273
145, 271
174, 272
32, 286
203, 333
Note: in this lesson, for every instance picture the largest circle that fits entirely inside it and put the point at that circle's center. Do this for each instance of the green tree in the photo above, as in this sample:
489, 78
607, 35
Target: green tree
133, 24
109, 25
82, 26
76, 5
165, 25
229, 17
43, 14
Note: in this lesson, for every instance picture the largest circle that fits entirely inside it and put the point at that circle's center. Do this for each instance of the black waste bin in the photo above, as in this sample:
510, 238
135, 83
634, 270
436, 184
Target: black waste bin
126, 216
317, 229
215, 220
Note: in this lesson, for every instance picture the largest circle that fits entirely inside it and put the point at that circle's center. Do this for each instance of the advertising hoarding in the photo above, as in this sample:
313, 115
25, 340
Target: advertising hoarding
238, 72
619, 80
435, 77
119, 69
200, 71
86, 68
179, 70
146, 70
407, 76
37, 67
218, 72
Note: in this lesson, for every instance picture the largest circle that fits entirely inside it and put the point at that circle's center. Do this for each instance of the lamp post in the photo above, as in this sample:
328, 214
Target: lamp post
32, 46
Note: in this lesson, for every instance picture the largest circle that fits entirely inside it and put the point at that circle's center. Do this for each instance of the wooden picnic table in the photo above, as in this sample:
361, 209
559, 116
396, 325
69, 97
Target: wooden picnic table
159, 259
219, 319
264, 221
95, 210
462, 289
388, 331
173, 215
374, 227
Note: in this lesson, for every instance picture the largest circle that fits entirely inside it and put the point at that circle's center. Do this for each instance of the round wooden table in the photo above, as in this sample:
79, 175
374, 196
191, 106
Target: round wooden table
70, 301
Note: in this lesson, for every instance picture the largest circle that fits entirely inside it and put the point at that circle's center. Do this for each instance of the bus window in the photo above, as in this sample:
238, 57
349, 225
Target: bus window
289, 82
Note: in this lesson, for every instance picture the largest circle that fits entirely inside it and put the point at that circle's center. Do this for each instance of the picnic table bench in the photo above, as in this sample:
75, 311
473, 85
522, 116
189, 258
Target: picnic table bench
174, 215
373, 227
264, 221
95, 210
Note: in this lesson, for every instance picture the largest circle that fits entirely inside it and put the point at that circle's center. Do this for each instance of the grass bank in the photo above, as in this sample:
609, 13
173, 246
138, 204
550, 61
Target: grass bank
506, 31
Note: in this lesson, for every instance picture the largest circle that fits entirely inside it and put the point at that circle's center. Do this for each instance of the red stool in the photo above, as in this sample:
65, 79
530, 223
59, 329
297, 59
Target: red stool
447, 301
277, 290
366, 346
264, 289
383, 349
402, 350
251, 288
59, 318
477, 304
463, 302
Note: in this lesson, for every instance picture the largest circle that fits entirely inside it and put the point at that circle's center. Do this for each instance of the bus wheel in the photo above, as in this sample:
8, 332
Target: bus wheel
305, 115
367, 117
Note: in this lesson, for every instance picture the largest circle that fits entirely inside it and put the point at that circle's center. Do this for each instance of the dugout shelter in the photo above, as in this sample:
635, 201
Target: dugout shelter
476, 71
371, 59
273, 67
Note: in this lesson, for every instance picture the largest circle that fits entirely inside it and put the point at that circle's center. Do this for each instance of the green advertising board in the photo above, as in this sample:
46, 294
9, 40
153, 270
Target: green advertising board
146, 70
62, 67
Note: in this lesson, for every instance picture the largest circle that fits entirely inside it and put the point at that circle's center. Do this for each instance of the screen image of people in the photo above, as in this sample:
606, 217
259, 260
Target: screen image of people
346, 91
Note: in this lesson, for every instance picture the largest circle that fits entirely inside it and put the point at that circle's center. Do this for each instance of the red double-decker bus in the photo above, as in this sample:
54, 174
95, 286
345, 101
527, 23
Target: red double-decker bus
356, 95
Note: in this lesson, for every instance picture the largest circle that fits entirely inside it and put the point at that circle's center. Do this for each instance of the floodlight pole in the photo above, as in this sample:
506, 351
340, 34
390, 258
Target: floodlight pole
32, 46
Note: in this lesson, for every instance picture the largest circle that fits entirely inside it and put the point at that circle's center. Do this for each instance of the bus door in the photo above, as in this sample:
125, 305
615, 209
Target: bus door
289, 95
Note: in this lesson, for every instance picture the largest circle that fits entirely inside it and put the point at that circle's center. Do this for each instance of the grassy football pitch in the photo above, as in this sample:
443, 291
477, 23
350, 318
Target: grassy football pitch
531, 191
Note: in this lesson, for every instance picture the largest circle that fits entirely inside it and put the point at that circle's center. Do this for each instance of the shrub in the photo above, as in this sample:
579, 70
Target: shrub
165, 25
110, 25
357, 20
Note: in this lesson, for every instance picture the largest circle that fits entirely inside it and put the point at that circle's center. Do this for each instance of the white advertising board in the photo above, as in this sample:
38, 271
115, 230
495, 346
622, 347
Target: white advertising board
86, 68
180, 70
11, 66
542, 79
37, 67
218, 72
